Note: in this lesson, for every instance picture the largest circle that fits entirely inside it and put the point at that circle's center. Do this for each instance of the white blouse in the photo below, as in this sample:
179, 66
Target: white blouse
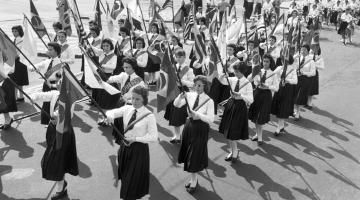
144, 131
68, 55
319, 62
346, 17
141, 56
50, 96
121, 80
291, 75
43, 66
271, 81
188, 78
206, 112
110, 65
246, 91
309, 68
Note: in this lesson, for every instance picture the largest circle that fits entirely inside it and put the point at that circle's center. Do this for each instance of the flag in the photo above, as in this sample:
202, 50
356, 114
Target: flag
134, 15
8, 49
232, 3
29, 47
36, 21
93, 79
168, 89
163, 29
234, 32
213, 25
64, 15
167, 4
180, 15
232, 16
3, 74
221, 40
78, 24
199, 46
70, 92
109, 31
98, 13
215, 54
116, 9
189, 23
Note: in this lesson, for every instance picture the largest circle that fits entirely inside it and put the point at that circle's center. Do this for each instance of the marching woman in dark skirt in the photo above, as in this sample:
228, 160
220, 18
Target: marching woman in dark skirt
134, 160
7, 94
54, 52
283, 101
20, 74
305, 71
267, 83
234, 123
177, 116
57, 159
319, 65
107, 60
193, 151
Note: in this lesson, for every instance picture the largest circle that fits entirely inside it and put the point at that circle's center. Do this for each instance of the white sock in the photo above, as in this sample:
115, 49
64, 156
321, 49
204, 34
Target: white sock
281, 124
60, 185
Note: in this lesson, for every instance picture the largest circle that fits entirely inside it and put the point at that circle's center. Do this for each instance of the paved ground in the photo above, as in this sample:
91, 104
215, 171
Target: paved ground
317, 159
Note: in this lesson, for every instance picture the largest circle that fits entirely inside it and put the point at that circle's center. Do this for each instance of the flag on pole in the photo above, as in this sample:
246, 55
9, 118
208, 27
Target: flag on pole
36, 21
213, 25
199, 46
180, 15
64, 15
70, 92
109, 31
189, 23
168, 89
29, 47
78, 24
116, 9
134, 15
98, 13
3, 74
221, 40
93, 79
8, 49
167, 4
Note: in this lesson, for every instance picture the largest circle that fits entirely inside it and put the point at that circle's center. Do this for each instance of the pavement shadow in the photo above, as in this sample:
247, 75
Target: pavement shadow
114, 165
84, 170
107, 133
354, 44
171, 150
216, 136
14, 139
4, 169
279, 156
164, 131
27, 108
157, 191
202, 193
218, 170
80, 123
251, 173
307, 192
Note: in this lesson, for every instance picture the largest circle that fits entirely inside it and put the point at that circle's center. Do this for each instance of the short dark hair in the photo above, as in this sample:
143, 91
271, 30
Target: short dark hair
306, 46
57, 25
131, 61
232, 45
204, 80
96, 30
157, 27
202, 19
180, 52
273, 37
125, 30
143, 92
177, 40
240, 67
62, 32
19, 29
108, 41
140, 39
272, 62
56, 47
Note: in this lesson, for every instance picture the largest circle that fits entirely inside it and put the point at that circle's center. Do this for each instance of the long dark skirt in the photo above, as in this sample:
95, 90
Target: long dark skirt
259, 111
56, 162
152, 66
283, 101
134, 170
334, 17
235, 123
45, 119
21, 77
106, 100
303, 89
315, 84
342, 28
8, 96
219, 92
176, 116
193, 151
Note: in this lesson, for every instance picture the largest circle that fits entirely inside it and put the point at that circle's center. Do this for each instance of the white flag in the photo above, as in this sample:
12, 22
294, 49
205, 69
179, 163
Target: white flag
29, 47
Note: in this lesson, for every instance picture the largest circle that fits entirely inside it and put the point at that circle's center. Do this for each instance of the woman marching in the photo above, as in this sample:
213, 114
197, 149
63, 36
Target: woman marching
267, 83
193, 151
305, 71
346, 28
134, 160
234, 123
319, 65
141, 56
283, 101
20, 74
57, 160
177, 115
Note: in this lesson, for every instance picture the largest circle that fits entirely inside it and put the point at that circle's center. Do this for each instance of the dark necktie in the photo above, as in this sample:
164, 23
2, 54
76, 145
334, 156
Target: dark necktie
133, 117
124, 87
237, 86
136, 52
301, 64
263, 78
50, 65
196, 104
127, 81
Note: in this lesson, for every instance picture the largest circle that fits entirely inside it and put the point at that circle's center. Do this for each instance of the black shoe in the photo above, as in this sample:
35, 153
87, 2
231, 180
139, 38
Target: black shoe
229, 158
7, 126
102, 123
308, 107
192, 189
259, 143
276, 133
187, 185
282, 131
59, 195
175, 141
255, 138
20, 100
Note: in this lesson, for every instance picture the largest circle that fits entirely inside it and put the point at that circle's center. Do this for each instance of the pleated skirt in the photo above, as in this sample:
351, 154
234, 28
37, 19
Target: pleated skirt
8, 96
260, 109
303, 89
315, 84
106, 100
234, 124
55, 163
176, 116
21, 77
283, 101
219, 92
134, 170
193, 151
44, 115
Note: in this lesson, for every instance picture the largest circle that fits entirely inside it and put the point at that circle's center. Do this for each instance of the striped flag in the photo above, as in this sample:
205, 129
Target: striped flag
199, 46
78, 24
98, 13
167, 4
116, 9
213, 25
70, 92
36, 21
8, 50
64, 15
180, 15
168, 89
189, 24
